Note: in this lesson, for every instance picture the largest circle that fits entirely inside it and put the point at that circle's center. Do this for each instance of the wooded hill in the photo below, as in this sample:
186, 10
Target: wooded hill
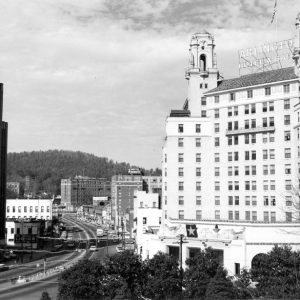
49, 167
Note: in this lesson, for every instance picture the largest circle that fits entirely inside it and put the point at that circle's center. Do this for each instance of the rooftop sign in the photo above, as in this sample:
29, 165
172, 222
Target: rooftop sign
266, 57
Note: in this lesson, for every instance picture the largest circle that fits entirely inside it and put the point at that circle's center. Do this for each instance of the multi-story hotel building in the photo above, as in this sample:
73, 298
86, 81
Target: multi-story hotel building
231, 159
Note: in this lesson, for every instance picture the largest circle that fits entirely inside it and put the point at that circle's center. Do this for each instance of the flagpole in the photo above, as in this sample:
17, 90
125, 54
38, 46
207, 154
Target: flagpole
276, 32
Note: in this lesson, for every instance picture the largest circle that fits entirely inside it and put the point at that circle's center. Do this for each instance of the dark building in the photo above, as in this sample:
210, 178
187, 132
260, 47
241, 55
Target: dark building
3, 168
81, 190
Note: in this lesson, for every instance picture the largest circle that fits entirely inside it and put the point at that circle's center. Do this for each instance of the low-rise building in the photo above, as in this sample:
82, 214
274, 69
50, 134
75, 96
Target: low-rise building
29, 209
147, 219
24, 233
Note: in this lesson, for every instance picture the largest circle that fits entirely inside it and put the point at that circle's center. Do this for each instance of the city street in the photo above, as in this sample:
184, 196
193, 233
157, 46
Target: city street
33, 289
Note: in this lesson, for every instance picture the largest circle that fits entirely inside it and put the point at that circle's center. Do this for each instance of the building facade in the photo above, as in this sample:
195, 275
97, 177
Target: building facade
81, 190
231, 161
153, 184
29, 209
123, 189
3, 168
30, 188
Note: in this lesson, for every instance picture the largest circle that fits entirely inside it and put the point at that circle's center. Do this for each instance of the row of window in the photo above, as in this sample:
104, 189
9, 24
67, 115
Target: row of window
27, 208
248, 138
251, 185
286, 89
235, 215
235, 185
234, 171
181, 128
235, 200
251, 108
27, 217
234, 125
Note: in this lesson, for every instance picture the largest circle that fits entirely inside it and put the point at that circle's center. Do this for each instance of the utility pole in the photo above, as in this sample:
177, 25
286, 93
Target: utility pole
180, 242
123, 240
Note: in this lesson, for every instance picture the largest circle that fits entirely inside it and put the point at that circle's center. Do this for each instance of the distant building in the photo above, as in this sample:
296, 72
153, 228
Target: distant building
147, 212
14, 187
135, 171
24, 233
81, 190
153, 184
29, 208
123, 189
30, 187
3, 168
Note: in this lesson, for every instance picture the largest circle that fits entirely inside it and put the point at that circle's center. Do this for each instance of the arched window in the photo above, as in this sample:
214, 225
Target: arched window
192, 61
202, 62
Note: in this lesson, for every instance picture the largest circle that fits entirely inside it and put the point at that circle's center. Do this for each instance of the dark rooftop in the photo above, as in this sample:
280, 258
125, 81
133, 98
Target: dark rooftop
255, 79
180, 113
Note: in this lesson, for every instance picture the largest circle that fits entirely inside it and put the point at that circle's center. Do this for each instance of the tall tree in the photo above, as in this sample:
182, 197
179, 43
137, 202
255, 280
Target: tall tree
85, 280
129, 269
201, 269
278, 273
163, 280
220, 287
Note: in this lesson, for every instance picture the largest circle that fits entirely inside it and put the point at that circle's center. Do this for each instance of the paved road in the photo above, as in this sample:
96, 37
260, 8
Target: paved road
33, 290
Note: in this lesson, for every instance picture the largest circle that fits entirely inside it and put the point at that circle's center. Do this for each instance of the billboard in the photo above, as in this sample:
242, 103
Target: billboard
266, 57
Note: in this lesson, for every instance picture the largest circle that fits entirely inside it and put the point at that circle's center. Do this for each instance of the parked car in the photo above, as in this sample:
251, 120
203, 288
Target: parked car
93, 248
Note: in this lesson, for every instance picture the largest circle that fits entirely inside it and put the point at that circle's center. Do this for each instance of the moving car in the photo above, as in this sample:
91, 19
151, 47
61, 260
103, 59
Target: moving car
22, 279
3, 267
93, 248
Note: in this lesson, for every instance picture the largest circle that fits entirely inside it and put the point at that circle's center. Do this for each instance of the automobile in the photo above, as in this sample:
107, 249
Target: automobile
22, 279
70, 244
129, 241
119, 249
93, 248
3, 267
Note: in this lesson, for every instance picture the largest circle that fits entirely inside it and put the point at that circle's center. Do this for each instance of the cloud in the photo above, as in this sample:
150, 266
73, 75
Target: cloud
101, 76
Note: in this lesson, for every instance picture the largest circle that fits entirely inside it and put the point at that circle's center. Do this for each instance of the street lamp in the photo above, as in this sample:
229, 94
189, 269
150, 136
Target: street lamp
216, 230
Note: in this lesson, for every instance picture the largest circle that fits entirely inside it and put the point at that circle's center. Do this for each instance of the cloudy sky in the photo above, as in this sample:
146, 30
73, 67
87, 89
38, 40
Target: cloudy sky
100, 76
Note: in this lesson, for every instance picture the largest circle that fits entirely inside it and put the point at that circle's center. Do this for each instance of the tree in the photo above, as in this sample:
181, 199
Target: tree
243, 286
128, 272
45, 296
278, 273
163, 280
220, 287
85, 280
200, 270
11, 194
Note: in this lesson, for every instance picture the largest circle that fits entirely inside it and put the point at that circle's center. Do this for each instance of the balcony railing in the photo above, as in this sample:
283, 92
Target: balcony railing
249, 130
